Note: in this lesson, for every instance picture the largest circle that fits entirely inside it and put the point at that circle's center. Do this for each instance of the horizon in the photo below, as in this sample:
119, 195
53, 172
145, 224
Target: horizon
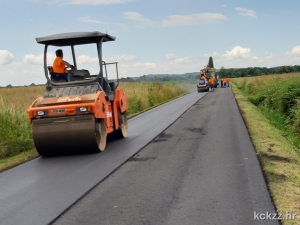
159, 74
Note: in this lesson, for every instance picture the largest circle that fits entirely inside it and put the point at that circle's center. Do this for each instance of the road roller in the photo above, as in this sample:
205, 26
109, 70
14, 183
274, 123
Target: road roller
76, 114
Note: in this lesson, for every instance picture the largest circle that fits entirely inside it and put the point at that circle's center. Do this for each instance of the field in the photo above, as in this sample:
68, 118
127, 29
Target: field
15, 130
271, 109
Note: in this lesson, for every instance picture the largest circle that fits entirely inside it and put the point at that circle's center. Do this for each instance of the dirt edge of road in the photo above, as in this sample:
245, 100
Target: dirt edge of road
279, 159
17, 160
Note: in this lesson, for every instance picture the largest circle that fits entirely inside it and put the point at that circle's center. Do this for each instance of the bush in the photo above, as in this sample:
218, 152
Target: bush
278, 98
15, 131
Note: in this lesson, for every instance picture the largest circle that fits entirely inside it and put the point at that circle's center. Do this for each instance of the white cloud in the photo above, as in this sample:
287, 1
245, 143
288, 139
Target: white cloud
147, 65
295, 51
240, 57
86, 59
92, 63
6, 57
31, 70
34, 1
170, 56
96, 2
94, 70
82, 2
120, 58
238, 52
224, 5
175, 20
216, 55
88, 19
18, 73
192, 19
38, 60
270, 56
135, 16
182, 60
246, 12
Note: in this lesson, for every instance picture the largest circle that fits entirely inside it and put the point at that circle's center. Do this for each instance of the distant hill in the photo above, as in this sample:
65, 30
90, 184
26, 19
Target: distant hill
185, 75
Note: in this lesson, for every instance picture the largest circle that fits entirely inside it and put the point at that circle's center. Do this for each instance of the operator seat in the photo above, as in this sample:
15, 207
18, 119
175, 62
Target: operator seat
56, 77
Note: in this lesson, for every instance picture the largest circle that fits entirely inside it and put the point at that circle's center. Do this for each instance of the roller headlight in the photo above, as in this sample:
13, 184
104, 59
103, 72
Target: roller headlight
40, 113
83, 109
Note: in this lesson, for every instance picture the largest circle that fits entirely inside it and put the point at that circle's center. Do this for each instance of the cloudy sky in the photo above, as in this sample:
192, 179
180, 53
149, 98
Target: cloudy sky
152, 36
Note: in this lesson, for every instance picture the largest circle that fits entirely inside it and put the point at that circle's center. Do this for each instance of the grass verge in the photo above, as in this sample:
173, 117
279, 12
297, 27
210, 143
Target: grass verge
278, 98
161, 103
16, 160
279, 158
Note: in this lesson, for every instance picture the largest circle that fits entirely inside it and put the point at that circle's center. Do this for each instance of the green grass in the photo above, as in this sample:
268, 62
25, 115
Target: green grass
18, 159
279, 158
15, 131
278, 98
142, 96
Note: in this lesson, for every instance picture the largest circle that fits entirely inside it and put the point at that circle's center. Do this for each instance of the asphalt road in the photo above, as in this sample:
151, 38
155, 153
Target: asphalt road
201, 170
39, 191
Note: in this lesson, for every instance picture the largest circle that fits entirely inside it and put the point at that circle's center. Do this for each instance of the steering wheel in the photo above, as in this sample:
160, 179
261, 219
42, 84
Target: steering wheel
71, 67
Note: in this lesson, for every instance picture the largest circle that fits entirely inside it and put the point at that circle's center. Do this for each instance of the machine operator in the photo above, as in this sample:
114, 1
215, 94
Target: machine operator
59, 65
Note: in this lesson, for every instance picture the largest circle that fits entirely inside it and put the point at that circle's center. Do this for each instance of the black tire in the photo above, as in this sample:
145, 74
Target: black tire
122, 131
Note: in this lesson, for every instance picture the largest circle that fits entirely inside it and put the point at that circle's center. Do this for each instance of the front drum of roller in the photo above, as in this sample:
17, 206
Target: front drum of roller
67, 135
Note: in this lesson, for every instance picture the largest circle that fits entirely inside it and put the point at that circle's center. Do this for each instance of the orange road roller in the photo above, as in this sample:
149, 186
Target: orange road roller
78, 109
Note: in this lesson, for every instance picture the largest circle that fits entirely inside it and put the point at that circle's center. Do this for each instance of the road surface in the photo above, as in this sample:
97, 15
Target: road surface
201, 170
38, 191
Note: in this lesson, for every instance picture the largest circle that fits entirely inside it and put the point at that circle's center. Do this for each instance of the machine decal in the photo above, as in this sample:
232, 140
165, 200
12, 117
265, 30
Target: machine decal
68, 99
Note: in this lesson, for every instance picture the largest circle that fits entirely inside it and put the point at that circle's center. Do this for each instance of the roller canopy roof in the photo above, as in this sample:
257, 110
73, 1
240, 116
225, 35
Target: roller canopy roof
74, 38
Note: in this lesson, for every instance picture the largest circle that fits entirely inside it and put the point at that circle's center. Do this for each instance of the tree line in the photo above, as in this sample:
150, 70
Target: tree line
190, 77
257, 71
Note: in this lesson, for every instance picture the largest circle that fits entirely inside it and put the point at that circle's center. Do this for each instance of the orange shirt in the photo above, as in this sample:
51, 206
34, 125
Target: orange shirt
212, 80
58, 67
203, 77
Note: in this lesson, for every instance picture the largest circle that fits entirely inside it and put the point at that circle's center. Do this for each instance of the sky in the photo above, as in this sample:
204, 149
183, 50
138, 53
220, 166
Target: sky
152, 37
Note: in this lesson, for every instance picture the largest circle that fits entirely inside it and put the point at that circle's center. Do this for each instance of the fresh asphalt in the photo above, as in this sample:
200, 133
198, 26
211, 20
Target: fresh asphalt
37, 192
200, 170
